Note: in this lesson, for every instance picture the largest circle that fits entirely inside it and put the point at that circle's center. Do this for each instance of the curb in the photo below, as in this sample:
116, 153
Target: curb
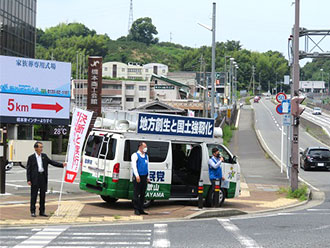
215, 213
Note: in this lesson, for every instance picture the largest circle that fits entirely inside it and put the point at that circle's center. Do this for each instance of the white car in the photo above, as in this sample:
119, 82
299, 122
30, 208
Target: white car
317, 111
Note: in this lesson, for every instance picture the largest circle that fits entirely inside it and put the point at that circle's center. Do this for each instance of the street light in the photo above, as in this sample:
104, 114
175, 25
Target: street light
213, 58
321, 73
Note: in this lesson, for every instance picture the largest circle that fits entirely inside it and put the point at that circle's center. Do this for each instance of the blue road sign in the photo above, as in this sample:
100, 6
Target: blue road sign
286, 106
286, 120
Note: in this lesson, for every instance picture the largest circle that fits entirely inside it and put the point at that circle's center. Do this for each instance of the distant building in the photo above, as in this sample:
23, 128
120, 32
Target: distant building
116, 94
133, 71
131, 94
163, 88
312, 86
18, 28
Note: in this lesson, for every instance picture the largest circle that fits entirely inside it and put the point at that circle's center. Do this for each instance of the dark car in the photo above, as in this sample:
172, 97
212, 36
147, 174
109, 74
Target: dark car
315, 158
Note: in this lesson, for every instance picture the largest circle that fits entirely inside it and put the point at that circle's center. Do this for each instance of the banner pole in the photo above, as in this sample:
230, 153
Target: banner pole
64, 170
60, 197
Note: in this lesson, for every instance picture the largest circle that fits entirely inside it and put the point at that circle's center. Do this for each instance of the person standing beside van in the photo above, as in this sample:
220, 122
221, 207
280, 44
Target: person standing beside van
215, 170
139, 162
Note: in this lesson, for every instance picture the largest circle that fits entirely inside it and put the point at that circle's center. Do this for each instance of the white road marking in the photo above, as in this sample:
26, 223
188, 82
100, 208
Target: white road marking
237, 120
17, 185
112, 234
160, 236
244, 240
42, 238
315, 209
83, 243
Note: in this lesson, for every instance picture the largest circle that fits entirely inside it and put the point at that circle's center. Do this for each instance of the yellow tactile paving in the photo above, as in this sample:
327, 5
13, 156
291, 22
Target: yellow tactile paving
59, 220
278, 203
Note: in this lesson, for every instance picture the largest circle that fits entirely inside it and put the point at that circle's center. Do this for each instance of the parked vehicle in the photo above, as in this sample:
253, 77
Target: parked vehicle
317, 111
177, 163
256, 99
315, 158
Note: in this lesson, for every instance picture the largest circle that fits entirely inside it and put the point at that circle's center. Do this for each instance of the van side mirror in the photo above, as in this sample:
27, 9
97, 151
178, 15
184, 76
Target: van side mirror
301, 153
235, 159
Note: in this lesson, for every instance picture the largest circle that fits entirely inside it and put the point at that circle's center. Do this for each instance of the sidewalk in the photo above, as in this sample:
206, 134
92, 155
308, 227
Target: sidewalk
260, 182
15, 210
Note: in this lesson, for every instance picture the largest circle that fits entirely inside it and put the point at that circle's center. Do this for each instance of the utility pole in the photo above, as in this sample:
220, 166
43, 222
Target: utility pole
253, 79
206, 91
202, 82
231, 80
77, 82
213, 62
170, 37
295, 93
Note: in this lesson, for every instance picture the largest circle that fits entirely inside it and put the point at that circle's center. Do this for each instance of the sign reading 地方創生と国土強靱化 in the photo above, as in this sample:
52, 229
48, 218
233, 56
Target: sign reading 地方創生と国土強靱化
175, 125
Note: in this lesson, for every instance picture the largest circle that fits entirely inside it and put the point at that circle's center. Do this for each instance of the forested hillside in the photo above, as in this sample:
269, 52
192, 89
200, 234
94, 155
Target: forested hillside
63, 41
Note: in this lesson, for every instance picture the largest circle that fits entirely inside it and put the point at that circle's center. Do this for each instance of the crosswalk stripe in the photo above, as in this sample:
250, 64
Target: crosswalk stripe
244, 240
160, 236
42, 238
103, 243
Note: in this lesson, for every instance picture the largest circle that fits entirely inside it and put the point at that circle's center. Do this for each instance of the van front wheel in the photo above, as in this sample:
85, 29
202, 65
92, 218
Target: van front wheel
209, 198
147, 203
108, 199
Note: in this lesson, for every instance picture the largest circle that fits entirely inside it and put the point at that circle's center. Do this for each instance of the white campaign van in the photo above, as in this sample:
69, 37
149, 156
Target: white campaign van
178, 149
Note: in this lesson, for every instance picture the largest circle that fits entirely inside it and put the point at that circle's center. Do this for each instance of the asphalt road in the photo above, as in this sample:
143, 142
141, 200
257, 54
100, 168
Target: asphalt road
268, 123
16, 182
300, 228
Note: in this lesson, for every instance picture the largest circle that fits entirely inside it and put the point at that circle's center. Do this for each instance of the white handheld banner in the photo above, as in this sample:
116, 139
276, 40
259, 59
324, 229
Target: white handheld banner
79, 126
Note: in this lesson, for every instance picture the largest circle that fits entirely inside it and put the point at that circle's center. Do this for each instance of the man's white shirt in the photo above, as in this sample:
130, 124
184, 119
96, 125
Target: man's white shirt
39, 161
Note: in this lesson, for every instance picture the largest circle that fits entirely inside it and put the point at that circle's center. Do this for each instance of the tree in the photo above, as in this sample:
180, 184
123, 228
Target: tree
143, 30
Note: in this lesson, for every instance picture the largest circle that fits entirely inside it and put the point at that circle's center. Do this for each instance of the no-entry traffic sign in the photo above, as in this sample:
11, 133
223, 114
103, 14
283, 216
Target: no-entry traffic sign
280, 97
279, 109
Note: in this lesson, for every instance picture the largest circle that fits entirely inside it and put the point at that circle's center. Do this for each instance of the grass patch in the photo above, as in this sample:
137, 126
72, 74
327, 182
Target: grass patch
247, 100
307, 129
227, 134
267, 155
117, 217
300, 193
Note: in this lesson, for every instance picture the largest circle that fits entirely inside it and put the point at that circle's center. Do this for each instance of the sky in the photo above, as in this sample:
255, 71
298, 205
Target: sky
260, 25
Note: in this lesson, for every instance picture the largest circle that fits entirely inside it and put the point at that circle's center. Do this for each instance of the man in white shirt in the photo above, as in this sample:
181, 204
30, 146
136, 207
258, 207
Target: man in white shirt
139, 162
37, 177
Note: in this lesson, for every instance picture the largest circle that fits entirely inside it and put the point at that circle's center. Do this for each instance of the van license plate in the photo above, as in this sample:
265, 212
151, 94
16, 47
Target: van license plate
320, 164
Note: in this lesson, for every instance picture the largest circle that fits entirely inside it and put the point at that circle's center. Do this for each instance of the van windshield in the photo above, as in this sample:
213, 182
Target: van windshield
93, 147
222, 151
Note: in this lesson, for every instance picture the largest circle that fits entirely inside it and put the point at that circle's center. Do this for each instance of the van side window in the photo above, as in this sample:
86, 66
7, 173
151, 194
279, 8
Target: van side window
157, 150
223, 152
93, 146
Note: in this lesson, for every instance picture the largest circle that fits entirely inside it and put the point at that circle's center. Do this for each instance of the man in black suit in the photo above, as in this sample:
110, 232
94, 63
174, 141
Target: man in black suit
37, 177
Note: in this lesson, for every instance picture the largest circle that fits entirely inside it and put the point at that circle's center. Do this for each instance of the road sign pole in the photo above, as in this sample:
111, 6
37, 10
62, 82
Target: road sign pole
282, 147
288, 143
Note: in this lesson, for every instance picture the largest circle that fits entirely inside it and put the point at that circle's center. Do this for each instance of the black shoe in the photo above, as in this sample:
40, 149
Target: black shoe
136, 212
33, 215
43, 215
143, 213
